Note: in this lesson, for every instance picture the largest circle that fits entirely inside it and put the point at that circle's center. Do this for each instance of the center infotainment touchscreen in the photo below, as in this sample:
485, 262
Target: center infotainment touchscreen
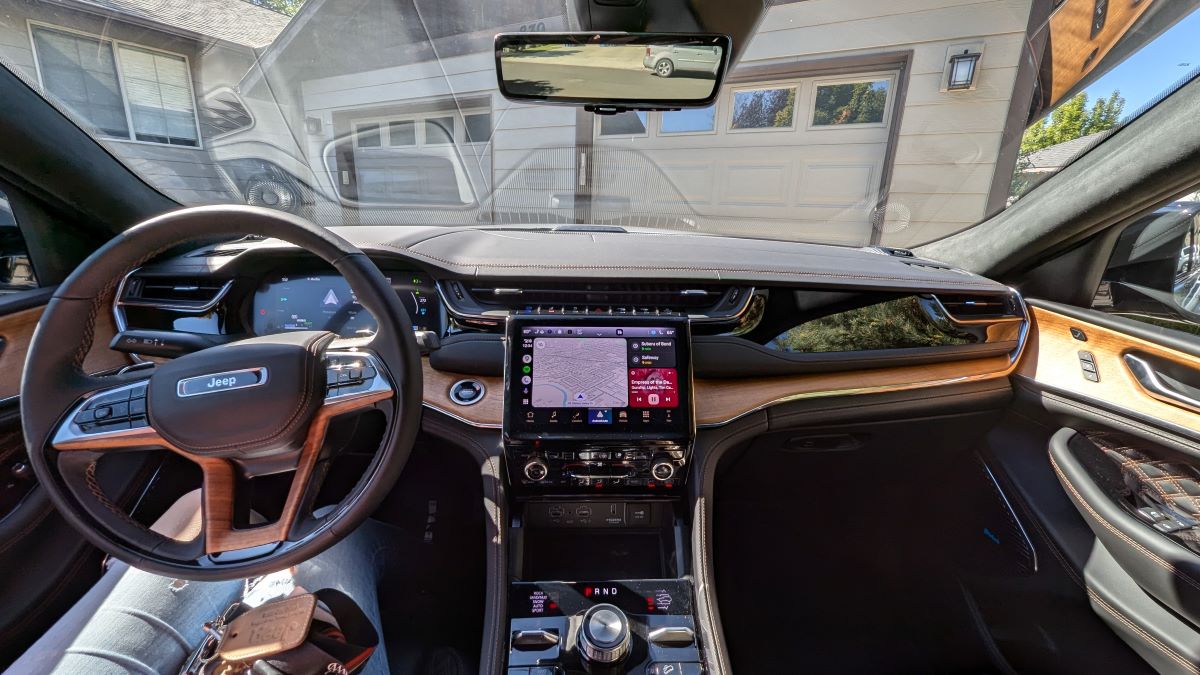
588, 378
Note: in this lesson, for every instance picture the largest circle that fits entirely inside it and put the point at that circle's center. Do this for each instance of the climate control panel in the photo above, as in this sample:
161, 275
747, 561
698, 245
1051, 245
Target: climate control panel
593, 468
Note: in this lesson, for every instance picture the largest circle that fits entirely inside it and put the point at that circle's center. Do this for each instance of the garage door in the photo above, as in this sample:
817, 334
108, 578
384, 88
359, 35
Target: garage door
435, 157
796, 158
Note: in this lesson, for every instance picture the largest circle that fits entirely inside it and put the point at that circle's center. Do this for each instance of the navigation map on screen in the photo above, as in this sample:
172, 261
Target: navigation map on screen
596, 379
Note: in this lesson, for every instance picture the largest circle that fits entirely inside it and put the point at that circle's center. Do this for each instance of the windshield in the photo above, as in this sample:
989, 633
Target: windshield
841, 122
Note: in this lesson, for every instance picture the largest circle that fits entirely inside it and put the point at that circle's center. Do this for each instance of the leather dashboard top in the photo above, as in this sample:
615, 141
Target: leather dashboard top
524, 252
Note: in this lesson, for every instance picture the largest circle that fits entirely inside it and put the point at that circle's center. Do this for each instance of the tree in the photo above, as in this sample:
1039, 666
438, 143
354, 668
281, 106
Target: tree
289, 7
764, 108
857, 103
1073, 120
1069, 121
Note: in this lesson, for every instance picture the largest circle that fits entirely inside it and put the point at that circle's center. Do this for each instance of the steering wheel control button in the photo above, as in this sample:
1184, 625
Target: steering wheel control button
604, 634
347, 374
467, 392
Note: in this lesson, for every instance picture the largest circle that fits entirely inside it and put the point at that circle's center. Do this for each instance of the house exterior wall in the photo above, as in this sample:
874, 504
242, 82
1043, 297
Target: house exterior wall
948, 142
940, 157
186, 174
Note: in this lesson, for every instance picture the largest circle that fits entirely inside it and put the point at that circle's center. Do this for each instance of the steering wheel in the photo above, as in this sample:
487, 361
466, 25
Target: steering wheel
259, 406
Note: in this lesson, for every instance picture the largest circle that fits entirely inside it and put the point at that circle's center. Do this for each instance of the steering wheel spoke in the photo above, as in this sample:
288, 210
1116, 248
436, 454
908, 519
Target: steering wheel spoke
355, 382
108, 419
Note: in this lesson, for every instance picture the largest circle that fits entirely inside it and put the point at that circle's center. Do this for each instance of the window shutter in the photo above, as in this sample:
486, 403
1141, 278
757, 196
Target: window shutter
160, 100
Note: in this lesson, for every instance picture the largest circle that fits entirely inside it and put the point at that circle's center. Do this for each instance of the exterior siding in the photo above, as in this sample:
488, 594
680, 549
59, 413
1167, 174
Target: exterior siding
948, 142
188, 175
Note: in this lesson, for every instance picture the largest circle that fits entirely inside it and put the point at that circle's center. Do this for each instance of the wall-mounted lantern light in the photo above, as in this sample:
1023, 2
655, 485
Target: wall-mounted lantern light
962, 70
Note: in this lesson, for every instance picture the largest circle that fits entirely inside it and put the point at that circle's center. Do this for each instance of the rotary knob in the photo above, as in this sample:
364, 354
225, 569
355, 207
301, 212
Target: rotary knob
663, 469
536, 470
604, 634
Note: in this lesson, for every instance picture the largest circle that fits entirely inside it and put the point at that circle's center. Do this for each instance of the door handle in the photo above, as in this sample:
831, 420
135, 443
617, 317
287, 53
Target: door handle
1162, 386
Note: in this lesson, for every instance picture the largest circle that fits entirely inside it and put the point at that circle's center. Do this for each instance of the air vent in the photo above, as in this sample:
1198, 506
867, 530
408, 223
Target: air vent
223, 112
182, 294
969, 308
488, 302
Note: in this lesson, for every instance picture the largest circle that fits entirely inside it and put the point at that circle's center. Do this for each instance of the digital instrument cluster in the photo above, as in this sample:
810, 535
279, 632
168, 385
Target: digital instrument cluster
294, 302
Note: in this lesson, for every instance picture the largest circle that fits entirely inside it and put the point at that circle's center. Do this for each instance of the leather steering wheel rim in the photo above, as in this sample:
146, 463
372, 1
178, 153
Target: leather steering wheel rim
54, 384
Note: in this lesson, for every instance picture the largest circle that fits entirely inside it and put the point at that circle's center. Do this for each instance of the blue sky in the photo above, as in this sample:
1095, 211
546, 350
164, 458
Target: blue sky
1148, 73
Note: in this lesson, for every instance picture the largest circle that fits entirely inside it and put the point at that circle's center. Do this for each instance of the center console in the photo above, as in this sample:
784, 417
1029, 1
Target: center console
598, 431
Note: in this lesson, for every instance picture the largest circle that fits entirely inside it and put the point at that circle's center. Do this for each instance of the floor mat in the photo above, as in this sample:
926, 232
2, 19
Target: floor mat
839, 563
432, 596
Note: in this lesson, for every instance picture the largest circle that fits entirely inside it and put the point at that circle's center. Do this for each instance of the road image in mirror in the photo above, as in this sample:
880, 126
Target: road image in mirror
580, 373
612, 71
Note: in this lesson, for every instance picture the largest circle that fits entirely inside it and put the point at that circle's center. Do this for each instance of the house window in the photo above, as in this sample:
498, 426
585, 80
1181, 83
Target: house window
764, 108
122, 90
689, 121
623, 124
850, 103
402, 133
479, 127
160, 97
367, 135
439, 130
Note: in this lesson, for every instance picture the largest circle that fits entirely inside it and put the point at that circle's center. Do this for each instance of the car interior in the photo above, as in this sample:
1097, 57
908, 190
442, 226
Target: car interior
299, 432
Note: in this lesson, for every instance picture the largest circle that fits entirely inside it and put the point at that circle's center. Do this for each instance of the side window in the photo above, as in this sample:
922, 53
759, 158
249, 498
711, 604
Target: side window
16, 272
1153, 274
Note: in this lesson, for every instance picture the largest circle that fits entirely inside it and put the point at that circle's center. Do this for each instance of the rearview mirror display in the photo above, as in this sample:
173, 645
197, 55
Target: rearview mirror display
612, 71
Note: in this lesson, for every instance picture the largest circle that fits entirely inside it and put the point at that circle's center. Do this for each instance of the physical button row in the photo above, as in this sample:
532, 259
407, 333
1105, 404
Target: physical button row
122, 409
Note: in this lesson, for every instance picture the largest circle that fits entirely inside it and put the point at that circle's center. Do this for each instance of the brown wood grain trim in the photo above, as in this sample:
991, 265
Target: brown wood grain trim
720, 401
487, 412
1051, 358
17, 330
220, 476
219, 533
1071, 42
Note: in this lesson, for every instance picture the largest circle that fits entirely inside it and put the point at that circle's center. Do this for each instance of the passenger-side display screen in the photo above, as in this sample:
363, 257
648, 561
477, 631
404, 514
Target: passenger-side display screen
571, 379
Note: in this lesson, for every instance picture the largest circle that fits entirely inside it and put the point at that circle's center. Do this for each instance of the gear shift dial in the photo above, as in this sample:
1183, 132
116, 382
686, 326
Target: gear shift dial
604, 634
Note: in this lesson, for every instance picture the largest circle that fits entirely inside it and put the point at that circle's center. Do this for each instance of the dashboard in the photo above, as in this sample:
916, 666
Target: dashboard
633, 342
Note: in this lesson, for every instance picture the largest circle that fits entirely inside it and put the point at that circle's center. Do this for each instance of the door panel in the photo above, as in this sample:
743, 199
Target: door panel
1127, 459
1052, 360
16, 330
44, 564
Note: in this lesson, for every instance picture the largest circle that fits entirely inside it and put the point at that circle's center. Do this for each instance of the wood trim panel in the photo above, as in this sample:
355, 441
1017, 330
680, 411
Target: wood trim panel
1052, 359
1071, 41
17, 331
720, 401
489, 411
219, 482
220, 479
